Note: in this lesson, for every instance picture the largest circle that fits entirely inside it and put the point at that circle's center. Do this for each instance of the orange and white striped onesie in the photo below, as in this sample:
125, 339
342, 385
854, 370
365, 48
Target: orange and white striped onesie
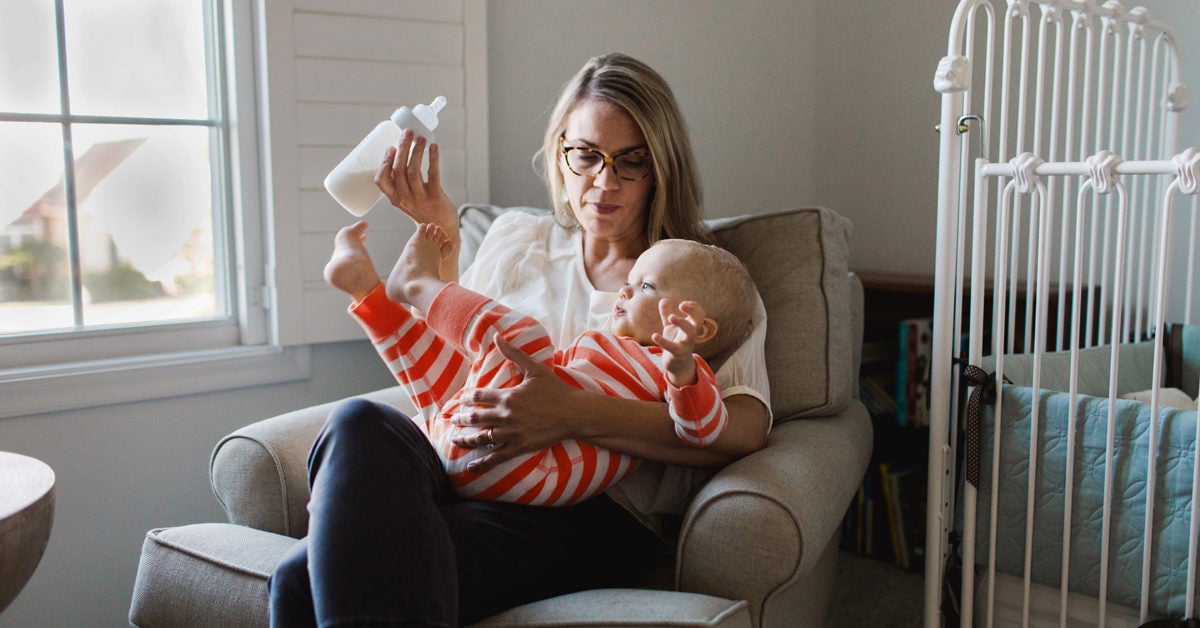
429, 357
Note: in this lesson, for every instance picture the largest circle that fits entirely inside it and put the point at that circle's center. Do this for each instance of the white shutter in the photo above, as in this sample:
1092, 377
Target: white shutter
334, 69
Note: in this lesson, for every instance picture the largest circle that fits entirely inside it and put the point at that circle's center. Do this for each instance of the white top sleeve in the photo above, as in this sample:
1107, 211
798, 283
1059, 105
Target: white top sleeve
534, 265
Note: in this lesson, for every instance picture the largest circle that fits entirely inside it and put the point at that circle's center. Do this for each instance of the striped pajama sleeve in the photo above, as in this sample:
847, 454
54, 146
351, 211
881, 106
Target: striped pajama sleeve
699, 414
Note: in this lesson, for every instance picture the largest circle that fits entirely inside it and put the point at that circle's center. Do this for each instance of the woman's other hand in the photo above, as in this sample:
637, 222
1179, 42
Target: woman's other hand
350, 268
537, 401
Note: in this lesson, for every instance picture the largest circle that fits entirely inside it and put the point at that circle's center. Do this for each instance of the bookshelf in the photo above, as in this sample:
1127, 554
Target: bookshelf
886, 519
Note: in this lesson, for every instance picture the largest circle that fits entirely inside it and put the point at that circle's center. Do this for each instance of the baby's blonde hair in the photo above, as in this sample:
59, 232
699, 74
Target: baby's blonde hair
722, 285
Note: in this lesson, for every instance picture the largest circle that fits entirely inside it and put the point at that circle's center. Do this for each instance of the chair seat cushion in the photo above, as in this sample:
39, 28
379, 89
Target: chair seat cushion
626, 608
215, 574
206, 574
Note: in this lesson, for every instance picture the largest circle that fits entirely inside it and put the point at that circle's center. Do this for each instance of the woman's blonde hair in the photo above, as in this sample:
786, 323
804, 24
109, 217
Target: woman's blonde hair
675, 202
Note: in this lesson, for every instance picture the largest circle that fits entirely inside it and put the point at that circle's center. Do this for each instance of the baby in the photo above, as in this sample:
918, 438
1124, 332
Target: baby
685, 302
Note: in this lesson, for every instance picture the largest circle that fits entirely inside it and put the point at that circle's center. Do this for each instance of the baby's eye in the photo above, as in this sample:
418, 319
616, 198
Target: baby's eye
646, 286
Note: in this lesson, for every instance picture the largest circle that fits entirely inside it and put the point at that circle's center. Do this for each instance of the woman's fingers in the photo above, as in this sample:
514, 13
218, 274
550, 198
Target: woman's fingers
435, 167
383, 176
527, 364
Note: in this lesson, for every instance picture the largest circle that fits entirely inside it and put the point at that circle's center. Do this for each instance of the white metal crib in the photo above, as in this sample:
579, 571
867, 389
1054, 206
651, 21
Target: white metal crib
1067, 220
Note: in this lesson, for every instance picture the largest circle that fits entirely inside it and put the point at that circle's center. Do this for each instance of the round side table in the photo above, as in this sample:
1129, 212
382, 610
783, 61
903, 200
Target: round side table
26, 514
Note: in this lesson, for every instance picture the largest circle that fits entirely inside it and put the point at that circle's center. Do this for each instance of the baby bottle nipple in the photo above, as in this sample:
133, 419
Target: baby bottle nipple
427, 115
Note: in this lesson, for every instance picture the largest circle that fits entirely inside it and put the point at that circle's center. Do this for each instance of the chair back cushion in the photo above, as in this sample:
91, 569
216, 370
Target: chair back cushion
799, 261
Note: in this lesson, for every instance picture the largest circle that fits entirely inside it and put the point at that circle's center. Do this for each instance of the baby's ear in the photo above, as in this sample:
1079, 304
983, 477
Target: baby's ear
706, 331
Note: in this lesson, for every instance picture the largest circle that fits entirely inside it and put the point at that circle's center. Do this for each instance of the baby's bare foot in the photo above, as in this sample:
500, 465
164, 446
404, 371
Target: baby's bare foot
350, 268
417, 271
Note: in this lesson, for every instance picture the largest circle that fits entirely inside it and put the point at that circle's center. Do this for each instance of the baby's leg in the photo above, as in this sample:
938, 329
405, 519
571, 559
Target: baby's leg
415, 279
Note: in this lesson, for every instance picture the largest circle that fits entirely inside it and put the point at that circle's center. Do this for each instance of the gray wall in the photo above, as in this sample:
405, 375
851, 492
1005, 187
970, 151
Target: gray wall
790, 102
784, 99
124, 469
743, 74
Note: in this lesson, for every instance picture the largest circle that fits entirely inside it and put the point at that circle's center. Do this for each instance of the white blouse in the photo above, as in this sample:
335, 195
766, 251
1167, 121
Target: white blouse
534, 265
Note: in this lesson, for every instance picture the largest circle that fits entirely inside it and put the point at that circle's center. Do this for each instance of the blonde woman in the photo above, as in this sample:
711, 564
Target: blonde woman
388, 539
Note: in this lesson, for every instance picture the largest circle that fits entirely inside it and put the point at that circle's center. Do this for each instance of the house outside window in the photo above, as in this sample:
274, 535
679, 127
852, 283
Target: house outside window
113, 157
130, 196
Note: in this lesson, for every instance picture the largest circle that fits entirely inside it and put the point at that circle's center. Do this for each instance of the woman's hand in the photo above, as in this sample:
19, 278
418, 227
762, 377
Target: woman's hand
400, 179
523, 419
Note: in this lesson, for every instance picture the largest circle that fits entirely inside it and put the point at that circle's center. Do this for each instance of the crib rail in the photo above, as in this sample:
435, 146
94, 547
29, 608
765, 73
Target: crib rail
1067, 221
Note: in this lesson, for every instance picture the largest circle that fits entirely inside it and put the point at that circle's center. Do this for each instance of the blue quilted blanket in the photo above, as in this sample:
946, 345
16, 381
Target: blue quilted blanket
1176, 443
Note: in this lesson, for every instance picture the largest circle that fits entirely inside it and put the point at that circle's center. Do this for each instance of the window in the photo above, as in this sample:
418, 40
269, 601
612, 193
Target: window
130, 223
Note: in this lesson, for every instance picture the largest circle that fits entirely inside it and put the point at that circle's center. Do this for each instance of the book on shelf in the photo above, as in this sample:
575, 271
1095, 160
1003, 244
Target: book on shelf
914, 355
886, 519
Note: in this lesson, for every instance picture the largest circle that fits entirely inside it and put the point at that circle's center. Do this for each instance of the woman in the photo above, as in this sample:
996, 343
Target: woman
388, 543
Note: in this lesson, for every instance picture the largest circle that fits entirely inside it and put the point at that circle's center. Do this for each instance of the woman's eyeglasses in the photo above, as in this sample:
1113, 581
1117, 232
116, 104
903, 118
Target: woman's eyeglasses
586, 162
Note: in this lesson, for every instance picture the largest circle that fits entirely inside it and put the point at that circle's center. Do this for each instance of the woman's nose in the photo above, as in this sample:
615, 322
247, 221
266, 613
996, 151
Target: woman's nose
607, 179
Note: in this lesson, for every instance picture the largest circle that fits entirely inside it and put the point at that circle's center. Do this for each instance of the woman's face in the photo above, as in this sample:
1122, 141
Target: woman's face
608, 207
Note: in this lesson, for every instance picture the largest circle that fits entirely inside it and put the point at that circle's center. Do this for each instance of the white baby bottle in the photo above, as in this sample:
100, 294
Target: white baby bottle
352, 182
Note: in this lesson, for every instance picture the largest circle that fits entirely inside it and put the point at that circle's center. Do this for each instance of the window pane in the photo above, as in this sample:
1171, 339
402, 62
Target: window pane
28, 57
138, 58
146, 224
35, 289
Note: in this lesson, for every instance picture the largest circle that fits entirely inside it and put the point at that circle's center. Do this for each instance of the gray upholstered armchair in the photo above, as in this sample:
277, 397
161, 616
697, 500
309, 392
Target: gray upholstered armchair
758, 544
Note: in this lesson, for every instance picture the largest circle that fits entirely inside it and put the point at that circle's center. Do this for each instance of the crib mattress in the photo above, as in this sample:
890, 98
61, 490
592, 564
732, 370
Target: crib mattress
1045, 606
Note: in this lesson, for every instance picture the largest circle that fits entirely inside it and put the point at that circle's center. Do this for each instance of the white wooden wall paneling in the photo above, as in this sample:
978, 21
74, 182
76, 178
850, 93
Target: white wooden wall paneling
335, 69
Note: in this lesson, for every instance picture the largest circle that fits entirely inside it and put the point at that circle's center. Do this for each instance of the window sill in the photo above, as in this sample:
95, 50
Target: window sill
63, 387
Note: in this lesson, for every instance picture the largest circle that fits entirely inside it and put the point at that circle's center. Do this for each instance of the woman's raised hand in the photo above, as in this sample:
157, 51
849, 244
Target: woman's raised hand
400, 179
523, 419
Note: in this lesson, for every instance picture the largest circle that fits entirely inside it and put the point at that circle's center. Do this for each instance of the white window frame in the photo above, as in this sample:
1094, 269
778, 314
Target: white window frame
55, 372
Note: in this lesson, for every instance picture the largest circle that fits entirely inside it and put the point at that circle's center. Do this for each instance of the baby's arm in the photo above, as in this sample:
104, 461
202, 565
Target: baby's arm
699, 414
693, 397
473, 320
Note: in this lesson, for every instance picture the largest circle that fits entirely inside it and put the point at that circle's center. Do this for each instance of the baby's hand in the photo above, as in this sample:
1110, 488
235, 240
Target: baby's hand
350, 268
678, 340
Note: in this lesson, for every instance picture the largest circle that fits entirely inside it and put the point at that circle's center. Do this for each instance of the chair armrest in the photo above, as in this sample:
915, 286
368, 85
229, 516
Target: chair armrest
259, 473
765, 521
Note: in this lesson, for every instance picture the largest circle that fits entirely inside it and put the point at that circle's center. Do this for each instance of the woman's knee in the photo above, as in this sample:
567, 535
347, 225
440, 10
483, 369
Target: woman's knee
366, 421
363, 432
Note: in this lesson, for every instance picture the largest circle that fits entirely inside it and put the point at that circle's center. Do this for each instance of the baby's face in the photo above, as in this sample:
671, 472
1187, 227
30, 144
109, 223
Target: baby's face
659, 273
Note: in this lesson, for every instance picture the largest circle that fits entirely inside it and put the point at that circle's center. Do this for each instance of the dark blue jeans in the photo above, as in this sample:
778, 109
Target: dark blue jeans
390, 544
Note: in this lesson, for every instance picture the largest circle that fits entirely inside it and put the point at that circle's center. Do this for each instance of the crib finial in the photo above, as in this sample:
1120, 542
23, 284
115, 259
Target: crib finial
1025, 174
953, 74
1018, 8
1104, 170
1187, 170
1053, 12
1137, 21
1110, 21
1178, 97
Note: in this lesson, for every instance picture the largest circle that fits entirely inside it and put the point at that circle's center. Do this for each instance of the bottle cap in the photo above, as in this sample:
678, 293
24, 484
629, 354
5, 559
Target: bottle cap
422, 119
428, 114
